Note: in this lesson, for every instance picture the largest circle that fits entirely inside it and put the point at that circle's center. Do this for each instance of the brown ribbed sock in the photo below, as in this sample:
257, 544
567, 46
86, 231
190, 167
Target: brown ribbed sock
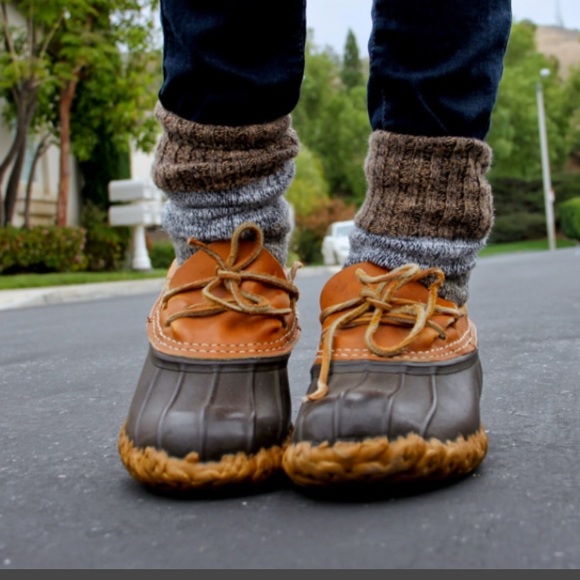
427, 202
217, 177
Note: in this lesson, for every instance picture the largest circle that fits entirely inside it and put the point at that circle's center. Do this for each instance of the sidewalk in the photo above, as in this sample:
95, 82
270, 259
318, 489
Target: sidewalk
25, 297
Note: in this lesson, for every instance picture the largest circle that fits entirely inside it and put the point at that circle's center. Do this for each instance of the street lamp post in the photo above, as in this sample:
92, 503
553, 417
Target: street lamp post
548, 192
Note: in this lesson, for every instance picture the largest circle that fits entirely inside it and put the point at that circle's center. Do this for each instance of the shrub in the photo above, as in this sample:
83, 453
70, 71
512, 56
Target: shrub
511, 195
42, 249
306, 244
309, 187
518, 226
517, 199
310, 230
569, 212
161, 254
106, 246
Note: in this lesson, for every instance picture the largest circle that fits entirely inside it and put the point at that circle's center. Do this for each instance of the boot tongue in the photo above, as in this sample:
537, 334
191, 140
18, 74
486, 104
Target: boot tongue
345, 286
201, 265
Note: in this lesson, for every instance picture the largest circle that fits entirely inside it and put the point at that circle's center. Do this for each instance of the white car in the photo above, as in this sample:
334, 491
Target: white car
336, 244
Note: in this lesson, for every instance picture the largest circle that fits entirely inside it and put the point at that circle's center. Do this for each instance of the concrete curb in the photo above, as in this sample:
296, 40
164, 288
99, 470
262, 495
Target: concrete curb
27, 297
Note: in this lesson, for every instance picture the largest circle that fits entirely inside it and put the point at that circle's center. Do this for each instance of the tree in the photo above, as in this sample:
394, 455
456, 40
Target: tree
332, 122
103, 135
352, 144
309, 188
25, 74
352, 70
107, 46
571, 112
102, 38
117, 102
321, 81
514, 134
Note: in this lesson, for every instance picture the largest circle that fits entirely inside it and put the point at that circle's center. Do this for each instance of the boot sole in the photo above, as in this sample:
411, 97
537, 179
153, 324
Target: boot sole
155, 468
406, 459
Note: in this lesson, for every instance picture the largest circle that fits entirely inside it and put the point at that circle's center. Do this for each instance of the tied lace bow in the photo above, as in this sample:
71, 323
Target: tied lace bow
378, 304
230, 274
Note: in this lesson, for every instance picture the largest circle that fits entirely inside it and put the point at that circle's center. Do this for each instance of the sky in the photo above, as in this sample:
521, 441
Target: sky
331, 19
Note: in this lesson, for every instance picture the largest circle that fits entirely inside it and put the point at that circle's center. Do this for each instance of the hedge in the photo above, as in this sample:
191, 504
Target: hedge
519, 206
106, 247
162, 254
42, 249
569, 213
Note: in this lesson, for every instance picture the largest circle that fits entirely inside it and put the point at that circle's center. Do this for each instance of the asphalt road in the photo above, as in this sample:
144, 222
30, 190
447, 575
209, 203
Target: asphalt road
67, 374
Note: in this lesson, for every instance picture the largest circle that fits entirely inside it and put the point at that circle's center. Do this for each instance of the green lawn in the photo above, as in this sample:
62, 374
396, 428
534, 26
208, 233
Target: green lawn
15, 281
525, 246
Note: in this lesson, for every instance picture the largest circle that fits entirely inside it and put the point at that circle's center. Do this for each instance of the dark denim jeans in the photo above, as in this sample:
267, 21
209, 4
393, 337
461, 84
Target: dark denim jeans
435, 66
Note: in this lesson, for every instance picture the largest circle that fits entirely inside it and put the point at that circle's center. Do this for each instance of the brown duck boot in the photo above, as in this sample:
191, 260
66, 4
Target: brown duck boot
395, 386
212, 405
397, 381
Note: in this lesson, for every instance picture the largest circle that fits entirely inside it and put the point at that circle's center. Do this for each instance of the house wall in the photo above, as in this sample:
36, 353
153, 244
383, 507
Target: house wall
141, 164
45, 185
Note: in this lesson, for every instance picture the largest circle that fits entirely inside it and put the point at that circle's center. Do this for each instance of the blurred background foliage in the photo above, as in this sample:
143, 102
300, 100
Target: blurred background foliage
119, 62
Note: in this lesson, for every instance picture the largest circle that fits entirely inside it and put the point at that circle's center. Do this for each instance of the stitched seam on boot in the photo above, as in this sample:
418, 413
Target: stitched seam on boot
169, 342
468, 336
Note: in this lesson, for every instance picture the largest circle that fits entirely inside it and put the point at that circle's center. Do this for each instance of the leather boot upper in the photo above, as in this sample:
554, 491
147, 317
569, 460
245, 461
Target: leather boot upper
394, 359
233, 303
396, 306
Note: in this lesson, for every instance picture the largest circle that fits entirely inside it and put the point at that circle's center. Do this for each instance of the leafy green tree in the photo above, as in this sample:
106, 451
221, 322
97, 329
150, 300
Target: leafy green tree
103, 135
26, 75
332, 122
321, 81
514, 134
344, 146
571, 112
117, 102
99, 39
106, 45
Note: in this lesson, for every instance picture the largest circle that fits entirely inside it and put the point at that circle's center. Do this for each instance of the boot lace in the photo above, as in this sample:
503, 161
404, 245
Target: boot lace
377, 304
230, 274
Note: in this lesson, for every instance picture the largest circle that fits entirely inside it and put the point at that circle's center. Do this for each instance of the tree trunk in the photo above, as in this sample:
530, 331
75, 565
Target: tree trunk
10, 155
13, 184
64, 108
19, 137
25, 112
40, 150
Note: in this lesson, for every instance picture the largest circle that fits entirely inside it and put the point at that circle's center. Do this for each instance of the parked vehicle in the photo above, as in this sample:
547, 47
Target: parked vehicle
336, 244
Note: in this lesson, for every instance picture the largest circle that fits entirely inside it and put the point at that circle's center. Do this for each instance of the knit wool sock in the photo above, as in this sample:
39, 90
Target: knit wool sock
217, 177
428, 202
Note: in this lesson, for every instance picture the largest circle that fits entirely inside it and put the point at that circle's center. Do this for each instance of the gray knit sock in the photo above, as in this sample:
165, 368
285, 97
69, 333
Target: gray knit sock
428, 203
218, 177
212, 216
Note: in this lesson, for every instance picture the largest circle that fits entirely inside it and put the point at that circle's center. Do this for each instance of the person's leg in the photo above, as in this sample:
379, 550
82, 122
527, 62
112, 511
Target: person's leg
233, 63
397, 380
232, 75
435, 72
212, 404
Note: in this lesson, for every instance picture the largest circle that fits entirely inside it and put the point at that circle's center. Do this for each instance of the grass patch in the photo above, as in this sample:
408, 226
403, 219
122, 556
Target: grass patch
524, 246
16, 281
